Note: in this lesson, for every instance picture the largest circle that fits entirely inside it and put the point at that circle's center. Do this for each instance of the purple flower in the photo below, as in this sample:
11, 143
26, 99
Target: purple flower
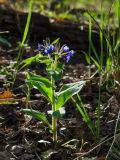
71, 53
67, 58
65, 49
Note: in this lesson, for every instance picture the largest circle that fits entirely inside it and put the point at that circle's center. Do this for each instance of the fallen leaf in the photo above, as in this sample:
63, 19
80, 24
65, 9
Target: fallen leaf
6, 97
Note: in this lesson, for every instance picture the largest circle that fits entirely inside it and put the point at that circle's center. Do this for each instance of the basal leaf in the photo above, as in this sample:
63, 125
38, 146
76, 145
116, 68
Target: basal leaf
38, 115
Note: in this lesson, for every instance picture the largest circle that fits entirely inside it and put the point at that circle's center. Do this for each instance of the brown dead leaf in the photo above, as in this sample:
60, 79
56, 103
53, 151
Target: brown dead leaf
6, 96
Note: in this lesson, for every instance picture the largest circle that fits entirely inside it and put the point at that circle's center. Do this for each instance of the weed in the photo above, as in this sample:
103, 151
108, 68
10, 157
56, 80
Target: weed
21, 46
108, 62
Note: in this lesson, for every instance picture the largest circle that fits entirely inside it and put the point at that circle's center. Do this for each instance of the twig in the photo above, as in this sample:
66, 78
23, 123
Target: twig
83, 154
4, 32
113, 136
37, 156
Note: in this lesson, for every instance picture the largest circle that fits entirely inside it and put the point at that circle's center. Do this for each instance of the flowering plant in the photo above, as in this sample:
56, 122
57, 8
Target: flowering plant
53, 56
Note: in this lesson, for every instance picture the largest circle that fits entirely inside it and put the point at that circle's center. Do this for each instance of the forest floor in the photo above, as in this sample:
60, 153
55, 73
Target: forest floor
25, 138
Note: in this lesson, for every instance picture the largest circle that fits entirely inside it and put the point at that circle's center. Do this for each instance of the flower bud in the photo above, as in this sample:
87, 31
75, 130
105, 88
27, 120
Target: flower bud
46, 51
71, 53
67, 58
51, 48
65, 49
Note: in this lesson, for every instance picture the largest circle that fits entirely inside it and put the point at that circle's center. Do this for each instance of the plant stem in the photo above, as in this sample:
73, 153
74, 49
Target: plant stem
99, 108
54, 119
27, 97
90, 40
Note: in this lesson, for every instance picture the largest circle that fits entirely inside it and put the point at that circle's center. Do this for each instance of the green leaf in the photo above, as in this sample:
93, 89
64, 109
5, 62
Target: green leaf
43, 59
117, 45
82, 110
28, 22
38, 115
96, 63
57, 73
39, 78
57, 114
42, 84
25, 34
94, 51
46, 92
28, 61
87, 57
67, 91
46, 61
108, 64
55, 41
38, 58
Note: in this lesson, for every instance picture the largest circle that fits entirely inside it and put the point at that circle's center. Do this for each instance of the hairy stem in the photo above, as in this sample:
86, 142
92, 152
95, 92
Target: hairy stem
54, 119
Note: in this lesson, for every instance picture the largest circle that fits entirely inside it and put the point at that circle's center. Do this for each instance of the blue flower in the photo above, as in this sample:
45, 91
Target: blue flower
67, 58
51, 48
65, 49
71, 53
46, 51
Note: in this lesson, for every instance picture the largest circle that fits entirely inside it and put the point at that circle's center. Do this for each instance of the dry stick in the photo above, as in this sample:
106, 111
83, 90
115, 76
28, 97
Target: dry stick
114, 135
37, 155
4, 32
83, 154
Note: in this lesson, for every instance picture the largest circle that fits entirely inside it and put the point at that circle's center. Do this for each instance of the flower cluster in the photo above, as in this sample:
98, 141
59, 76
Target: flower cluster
69, 52
47, 50
63, 52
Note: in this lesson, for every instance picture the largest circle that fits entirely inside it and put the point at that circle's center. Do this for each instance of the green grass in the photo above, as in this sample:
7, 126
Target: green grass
21, 46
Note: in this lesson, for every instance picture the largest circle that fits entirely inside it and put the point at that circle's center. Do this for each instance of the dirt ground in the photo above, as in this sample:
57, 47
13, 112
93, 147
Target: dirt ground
25, 138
